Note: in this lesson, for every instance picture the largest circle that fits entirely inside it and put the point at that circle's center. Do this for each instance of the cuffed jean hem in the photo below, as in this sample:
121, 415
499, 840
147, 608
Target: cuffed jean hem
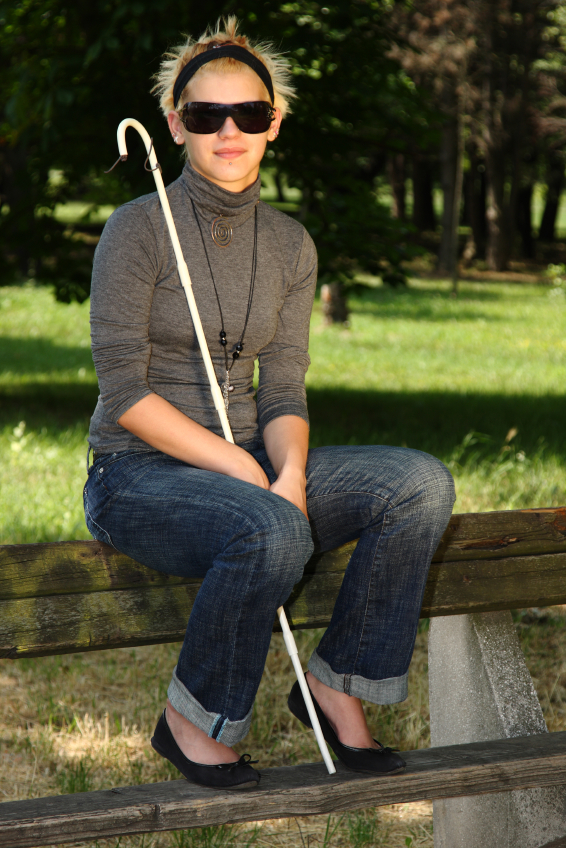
388, 691
217, 726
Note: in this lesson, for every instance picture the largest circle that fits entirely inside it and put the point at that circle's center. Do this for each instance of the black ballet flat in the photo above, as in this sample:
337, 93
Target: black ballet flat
368, 760
238, 775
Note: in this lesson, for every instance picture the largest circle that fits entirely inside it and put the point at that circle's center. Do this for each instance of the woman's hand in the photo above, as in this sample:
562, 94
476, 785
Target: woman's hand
292, 486
164, 427
243, 466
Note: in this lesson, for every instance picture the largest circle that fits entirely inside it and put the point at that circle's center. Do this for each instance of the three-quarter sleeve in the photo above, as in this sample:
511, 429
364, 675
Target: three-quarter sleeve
283, 363
123, 283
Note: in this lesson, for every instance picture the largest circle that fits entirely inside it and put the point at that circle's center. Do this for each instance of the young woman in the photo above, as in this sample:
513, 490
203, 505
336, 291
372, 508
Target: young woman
169, 491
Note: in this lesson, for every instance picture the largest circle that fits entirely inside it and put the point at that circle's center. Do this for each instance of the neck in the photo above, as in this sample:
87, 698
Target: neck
235, 186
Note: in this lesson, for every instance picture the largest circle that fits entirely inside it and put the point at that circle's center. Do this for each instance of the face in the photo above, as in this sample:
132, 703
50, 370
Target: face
229, 157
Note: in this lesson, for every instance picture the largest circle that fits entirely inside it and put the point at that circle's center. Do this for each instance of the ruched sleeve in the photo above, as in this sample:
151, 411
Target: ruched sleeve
123, 283
283, 363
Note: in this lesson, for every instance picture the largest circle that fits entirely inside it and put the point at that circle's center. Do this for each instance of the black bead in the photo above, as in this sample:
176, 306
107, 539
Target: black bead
236, 354
222, 334
240, 346
223, 342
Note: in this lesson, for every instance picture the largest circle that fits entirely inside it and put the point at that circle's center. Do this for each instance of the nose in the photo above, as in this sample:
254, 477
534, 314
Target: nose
228, 129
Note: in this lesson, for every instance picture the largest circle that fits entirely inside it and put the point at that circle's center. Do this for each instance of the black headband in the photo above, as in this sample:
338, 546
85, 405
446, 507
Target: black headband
231, 51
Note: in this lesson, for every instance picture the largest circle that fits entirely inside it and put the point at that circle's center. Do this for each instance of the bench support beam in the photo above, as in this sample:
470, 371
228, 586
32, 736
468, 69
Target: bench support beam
481, 689
283, 792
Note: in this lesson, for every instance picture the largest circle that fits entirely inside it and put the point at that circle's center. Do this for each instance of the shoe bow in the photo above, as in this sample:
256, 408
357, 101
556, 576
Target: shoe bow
245, 760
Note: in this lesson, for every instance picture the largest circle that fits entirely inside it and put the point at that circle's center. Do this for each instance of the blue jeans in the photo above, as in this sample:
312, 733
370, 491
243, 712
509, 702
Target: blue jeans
250, 547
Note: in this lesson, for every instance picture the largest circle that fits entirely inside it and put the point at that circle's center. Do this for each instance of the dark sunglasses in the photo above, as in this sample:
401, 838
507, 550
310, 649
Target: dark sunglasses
205, 118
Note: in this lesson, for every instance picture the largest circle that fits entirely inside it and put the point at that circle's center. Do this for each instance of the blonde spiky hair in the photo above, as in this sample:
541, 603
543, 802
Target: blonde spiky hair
226, 32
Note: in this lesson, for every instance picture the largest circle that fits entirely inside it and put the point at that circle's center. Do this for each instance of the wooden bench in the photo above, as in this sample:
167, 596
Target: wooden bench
78, 596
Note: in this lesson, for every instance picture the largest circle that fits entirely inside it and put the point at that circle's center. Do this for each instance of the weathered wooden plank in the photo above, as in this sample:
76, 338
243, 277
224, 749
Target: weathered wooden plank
57, 624
32, 571
74, 567
556, 843
477, 768
488, 535
454, 588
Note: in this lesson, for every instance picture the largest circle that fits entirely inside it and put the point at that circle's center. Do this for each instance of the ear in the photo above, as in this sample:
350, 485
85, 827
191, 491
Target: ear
176, 127
273, 130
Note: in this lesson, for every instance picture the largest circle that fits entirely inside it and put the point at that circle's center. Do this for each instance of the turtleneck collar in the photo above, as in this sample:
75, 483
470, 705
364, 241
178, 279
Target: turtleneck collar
211, 200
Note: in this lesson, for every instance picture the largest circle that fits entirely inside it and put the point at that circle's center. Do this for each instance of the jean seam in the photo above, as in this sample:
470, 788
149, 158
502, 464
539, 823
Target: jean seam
355, 492
370, 583
213, 727
97, 525
236, 629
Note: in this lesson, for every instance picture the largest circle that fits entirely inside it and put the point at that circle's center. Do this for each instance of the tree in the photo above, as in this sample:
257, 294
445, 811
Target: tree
70, 73
481, 60
437, 41
354, 110
73, 71
550, 116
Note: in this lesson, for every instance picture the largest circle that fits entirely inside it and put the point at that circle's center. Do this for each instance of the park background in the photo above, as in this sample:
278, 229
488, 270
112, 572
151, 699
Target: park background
425, 154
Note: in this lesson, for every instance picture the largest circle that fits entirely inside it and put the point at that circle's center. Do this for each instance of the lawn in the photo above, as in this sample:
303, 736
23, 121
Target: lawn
478, 380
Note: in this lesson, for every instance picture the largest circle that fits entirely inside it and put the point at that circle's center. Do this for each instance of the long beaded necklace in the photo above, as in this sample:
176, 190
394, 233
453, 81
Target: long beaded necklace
226, 386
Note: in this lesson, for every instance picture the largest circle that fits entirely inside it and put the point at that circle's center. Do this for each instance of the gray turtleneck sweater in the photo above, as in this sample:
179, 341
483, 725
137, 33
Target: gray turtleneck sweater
143, 340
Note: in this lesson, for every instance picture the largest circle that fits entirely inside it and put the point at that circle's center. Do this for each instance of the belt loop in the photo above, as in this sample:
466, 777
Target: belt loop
87, 458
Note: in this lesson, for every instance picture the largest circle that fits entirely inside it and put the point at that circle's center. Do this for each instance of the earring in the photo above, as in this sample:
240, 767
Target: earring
275, 134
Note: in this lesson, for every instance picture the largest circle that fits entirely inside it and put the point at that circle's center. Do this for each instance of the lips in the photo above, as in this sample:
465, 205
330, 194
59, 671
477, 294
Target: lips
229, 152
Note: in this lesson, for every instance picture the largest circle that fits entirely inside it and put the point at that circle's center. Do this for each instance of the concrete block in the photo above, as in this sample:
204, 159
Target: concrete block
480, 688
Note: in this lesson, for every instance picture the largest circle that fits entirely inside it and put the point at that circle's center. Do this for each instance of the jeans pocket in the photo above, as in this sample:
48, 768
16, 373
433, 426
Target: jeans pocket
95, 530
115, 470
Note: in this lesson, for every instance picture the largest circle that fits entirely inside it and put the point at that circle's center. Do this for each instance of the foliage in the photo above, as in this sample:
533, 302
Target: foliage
72, 72
355, 106
495, 70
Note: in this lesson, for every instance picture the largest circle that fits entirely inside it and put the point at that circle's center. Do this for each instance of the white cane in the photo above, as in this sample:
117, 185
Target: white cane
217, 395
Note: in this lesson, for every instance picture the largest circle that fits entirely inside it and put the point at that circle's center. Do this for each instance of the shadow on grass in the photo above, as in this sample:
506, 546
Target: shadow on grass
412, 304
52, 406
31, 356
436, 422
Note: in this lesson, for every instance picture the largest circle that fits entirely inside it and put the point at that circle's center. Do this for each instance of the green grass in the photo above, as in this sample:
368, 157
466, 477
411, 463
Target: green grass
452, 376
47, 391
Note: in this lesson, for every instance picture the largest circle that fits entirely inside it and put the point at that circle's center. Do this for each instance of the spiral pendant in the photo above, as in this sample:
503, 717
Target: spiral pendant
221, 231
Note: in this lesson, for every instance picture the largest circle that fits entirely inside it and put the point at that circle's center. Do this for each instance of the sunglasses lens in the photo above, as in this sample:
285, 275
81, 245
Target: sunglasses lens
254, 117
203, 118
206, 118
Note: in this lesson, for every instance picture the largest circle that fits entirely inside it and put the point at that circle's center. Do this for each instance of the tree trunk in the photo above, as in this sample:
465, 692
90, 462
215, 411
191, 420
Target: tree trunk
334, 305
448, 165
524, 219
458, 182
20, 195
396, 168
498, 248
474, 204
423, 207
279, 186
554, 187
